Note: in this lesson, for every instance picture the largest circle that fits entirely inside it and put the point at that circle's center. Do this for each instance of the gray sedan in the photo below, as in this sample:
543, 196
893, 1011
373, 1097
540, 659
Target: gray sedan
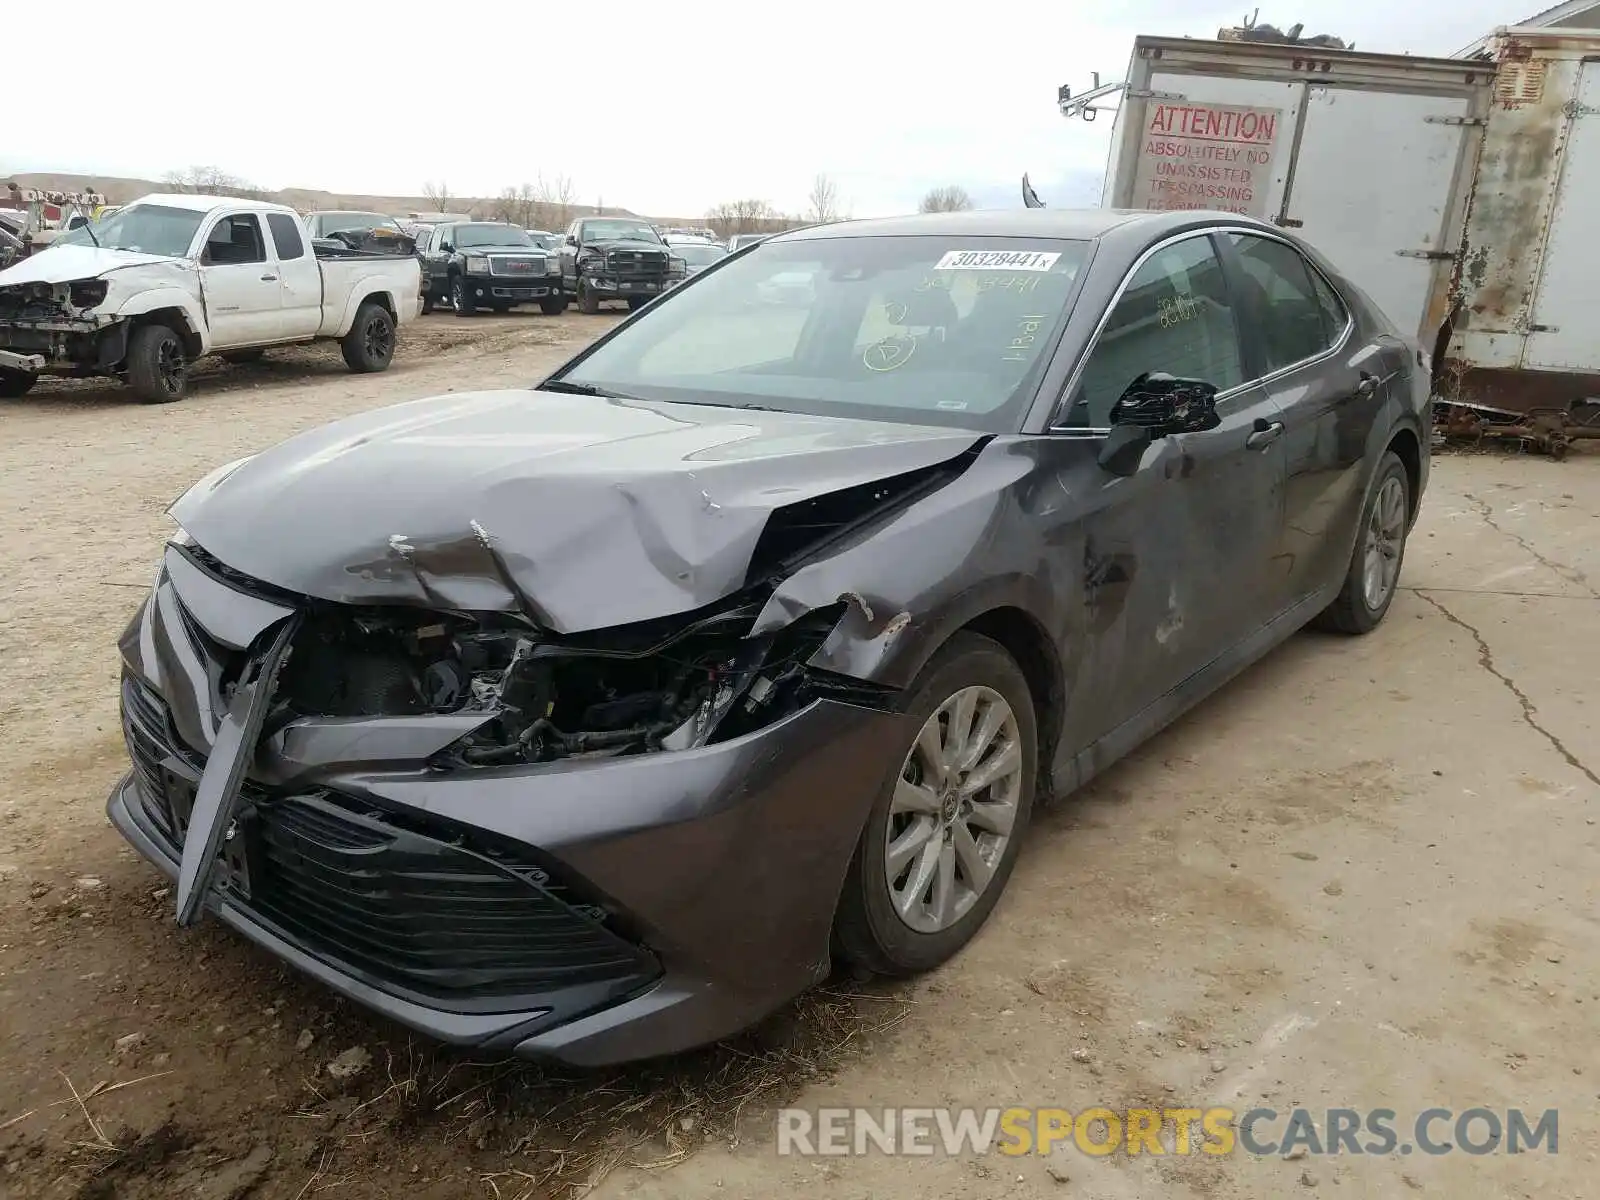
597, 719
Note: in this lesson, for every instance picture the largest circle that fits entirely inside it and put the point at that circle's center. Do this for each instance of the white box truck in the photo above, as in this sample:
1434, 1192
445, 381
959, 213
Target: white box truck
1463, 194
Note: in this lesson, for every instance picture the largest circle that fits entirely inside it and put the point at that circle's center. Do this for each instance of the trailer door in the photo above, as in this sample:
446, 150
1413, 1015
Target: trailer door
1371, 188
1567, 297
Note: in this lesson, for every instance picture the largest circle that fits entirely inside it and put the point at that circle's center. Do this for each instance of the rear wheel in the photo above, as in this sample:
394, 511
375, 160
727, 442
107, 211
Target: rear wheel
553, 306
588, 302
941, 840
369, 346
158, 369
460, 297
1369, 583
14, 384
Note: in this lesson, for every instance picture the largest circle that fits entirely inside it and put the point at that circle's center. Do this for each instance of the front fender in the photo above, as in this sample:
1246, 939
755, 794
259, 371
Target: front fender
149, 300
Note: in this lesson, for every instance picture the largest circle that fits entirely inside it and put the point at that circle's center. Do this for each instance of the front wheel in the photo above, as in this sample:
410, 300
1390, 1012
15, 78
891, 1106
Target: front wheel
369, 346
588, 302
461, 298
16, 384
157, 368
426, 306
942, 838
1369, 583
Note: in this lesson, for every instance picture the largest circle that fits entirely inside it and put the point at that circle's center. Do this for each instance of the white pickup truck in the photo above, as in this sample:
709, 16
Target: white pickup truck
168, 279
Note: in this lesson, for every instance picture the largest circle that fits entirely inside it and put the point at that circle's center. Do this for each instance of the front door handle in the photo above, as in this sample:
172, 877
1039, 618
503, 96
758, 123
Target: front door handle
1367, 387
268, 278
1264, 434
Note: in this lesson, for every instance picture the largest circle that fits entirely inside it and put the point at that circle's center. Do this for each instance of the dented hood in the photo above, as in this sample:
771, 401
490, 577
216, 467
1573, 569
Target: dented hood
64, 264
584, 512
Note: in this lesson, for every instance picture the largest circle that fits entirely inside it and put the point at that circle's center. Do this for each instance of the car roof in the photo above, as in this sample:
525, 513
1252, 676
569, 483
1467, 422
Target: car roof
205, 204
1065, 224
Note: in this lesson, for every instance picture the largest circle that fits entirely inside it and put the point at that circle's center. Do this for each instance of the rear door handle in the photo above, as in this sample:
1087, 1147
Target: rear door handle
1264, 434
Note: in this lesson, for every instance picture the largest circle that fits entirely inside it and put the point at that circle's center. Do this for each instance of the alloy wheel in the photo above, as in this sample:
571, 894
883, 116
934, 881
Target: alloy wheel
1385, 538
953, 809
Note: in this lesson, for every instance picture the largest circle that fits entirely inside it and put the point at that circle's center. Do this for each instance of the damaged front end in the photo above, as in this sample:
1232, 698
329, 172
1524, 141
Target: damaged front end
59, 328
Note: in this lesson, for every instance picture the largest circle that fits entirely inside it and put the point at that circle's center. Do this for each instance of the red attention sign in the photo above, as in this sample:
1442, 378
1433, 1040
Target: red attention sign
1206, 156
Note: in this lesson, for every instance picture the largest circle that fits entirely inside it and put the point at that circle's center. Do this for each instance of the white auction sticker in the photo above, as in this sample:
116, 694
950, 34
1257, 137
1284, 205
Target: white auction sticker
997, 260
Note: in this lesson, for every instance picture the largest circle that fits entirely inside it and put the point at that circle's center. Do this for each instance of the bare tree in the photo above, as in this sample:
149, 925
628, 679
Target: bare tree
552, 200
211, 181
951, 198
743, 216
823, 201
438, 195
517, 206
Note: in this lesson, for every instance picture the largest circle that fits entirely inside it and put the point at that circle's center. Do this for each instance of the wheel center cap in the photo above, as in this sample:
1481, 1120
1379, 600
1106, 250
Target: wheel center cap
947, 806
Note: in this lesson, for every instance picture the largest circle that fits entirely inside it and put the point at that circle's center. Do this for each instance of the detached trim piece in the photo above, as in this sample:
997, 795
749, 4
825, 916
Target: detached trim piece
231, 753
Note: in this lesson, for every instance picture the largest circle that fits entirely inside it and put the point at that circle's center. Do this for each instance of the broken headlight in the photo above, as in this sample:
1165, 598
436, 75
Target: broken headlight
658, 685
87, 293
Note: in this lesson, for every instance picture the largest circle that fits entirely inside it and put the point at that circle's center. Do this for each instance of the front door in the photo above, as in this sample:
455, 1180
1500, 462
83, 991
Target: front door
1184, 546
239, 282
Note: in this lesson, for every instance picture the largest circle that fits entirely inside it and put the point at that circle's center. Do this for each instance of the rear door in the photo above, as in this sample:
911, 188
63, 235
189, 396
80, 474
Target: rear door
1330, 378
239, 279
1203, 517
299, 278
1567, 299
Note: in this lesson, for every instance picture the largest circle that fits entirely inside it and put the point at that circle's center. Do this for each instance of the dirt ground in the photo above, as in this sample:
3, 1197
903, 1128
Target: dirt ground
1362, 876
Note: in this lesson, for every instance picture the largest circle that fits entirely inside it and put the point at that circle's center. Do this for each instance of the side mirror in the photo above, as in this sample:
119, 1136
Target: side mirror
572, 239
446, 248
1154, 406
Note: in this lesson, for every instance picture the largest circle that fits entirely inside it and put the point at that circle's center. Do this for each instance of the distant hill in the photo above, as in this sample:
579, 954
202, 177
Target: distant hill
118, 190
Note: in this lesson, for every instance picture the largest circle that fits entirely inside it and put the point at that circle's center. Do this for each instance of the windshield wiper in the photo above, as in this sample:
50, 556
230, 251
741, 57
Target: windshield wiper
583, 389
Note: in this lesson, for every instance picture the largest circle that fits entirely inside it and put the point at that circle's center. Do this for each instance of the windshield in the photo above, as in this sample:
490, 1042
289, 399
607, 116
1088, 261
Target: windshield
616, 231
348, 222
492, 235
147, 228
697, 255
932, 330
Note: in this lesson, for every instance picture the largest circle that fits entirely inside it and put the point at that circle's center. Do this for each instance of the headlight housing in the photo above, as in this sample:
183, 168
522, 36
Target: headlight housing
552, 266
87, 293
478, 266
677, 268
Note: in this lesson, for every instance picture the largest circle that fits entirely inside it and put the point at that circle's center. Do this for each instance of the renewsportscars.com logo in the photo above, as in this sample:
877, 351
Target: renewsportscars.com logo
1103, 1131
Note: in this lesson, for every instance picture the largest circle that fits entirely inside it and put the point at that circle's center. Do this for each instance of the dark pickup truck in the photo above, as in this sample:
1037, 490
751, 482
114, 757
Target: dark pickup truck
616, 258
471, 265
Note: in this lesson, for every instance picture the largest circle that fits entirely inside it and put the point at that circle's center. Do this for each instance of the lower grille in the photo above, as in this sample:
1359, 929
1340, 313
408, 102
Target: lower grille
407, 907
422, 913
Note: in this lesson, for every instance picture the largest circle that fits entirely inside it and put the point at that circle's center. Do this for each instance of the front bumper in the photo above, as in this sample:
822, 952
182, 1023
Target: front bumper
642, 905
618, 286
516, 288
63, 346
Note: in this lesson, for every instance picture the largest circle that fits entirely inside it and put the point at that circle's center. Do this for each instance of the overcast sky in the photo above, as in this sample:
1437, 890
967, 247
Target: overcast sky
663, 109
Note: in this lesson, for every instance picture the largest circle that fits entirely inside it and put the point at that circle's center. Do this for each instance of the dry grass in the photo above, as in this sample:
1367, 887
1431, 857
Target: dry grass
543, 1132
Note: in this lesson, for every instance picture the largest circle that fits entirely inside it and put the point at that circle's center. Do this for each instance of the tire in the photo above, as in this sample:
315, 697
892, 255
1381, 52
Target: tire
588, 302
369, 346
553, 306
16, 384
1385, 517
459, 300
635, 303
869, 931
426, 306
243, 356
158, 370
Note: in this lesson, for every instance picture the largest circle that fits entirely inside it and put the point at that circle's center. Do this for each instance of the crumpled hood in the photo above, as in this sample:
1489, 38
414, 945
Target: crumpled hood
63, 264
585, 512
627, 244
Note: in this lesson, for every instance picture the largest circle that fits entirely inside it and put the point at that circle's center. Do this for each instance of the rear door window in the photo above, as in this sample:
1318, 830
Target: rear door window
1296, 320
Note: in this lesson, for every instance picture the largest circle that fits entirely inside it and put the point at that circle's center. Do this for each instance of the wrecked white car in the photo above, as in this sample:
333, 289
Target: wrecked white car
170, 278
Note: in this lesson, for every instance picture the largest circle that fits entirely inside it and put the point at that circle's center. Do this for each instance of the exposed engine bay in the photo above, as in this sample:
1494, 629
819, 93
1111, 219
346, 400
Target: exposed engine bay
658, 685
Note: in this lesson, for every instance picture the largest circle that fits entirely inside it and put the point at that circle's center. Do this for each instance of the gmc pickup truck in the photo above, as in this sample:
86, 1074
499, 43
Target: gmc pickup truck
169, 278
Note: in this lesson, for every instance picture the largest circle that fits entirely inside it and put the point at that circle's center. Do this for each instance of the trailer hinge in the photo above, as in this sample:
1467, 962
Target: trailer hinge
1572, 109
1288, 222
1456, 120
1436, 255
